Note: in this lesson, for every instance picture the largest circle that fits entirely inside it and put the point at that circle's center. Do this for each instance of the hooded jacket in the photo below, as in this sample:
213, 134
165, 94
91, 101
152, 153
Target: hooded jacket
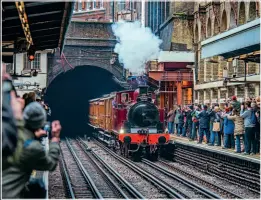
29, 155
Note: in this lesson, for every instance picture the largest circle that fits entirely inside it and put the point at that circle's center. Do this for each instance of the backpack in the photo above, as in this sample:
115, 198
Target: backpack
253, 117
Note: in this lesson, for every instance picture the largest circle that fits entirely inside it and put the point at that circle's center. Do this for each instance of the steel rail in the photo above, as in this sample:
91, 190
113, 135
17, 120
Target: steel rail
233, 177
85, 174
103, 173
188, 183
199, 179
66, 175
165, 187
134, 192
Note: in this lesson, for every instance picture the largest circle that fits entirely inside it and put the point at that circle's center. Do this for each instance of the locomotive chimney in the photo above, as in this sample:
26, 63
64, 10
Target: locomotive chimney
143, 89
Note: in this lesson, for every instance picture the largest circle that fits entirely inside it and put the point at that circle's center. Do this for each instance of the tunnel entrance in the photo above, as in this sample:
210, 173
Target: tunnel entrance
69, 93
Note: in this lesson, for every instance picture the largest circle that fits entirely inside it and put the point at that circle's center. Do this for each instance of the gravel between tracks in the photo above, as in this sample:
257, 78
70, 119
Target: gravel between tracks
103, 186
145, 187
56, 186
190, 193
247, 194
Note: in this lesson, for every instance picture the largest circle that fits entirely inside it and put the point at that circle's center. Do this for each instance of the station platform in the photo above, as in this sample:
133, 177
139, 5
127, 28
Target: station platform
216, 149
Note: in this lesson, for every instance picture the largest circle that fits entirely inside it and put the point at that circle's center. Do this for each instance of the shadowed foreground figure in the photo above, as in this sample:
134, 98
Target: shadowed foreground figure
29, 154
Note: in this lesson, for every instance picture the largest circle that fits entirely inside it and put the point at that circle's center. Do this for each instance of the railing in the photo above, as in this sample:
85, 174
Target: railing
177, 76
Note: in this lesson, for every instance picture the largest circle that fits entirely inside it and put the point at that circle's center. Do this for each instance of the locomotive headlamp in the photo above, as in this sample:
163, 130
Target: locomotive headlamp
121, 131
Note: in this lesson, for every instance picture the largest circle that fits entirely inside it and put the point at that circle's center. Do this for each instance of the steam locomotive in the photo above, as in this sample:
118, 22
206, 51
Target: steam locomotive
130, 121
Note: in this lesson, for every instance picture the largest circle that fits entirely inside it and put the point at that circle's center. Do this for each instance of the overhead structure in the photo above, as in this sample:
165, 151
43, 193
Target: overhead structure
243, 40
42, 25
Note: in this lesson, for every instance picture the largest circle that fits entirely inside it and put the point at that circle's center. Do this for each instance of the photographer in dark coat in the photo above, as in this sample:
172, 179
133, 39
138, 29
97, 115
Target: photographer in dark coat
30, 154
204, 121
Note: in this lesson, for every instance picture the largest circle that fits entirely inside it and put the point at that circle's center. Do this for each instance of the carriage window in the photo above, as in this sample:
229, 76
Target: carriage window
124, 97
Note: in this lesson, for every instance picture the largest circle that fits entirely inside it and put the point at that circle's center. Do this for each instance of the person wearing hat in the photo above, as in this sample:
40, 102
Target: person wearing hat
188, 123
30, 154
235, 103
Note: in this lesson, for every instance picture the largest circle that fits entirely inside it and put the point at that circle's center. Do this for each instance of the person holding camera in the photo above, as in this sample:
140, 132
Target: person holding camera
30, 154
249, 117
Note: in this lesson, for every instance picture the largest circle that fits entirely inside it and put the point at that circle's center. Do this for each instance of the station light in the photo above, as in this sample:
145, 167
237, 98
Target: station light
31, 53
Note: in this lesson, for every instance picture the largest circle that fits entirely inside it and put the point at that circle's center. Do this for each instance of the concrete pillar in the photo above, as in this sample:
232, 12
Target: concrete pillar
236, 91
218, 95
204, 96
227, 94
246, 91
211, 97
179, 93
257, 89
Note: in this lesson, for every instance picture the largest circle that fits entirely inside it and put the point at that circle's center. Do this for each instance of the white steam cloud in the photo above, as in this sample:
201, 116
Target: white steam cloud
137, 45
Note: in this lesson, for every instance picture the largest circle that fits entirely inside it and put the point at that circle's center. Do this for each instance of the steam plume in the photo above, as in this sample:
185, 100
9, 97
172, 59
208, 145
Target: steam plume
136, 46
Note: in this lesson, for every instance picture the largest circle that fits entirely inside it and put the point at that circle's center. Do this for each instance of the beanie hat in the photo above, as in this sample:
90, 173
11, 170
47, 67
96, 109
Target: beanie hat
34, 116
234, 98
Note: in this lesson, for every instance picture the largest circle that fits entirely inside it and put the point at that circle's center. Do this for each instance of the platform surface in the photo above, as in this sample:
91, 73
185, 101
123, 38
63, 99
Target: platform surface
218, 149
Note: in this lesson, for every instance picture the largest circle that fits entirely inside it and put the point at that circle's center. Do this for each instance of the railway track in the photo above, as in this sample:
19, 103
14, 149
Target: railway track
187, 190
227, 172
118, 185
77, 180
222, 191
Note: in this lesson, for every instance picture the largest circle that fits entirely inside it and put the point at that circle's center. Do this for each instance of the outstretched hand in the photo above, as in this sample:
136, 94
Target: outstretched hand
56, 129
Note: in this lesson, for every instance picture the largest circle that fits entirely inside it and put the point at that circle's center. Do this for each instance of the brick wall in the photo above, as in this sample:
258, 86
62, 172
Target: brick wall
181, 35
90, 30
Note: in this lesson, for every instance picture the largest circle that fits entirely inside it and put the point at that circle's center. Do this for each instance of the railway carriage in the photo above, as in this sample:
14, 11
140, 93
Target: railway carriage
129, 120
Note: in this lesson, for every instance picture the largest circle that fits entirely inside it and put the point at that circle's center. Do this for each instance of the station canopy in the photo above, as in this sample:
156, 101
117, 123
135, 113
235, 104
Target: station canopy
40, 24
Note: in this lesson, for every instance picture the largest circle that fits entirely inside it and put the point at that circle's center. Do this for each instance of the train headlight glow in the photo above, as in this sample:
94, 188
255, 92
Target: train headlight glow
121, 131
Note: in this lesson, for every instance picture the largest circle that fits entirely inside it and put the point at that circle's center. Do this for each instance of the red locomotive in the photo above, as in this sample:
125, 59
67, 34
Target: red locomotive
131, 121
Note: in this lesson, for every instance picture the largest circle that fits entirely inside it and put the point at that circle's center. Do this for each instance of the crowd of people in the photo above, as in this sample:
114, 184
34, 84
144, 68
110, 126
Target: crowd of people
236, 123
23, 127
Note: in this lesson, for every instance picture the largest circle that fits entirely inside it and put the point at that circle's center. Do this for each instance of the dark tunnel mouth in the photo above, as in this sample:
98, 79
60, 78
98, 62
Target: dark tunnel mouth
69, 93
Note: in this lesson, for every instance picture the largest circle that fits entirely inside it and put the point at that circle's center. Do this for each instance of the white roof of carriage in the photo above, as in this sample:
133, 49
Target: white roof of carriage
176, 56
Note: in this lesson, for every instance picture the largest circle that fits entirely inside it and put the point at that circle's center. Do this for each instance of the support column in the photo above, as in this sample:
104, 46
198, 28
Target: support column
179, 93
236, 91
246, 91
211, 97
204, 96
257, 90
218, 95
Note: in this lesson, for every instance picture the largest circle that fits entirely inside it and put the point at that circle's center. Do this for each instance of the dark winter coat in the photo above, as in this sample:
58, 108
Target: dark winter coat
204, 119
9, 131
188, 117
28, 156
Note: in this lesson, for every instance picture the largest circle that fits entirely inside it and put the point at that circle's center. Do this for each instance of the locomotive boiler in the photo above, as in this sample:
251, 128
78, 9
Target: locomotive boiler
130, 121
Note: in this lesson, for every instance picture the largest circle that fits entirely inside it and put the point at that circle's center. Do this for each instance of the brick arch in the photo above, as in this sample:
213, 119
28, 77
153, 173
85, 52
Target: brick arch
232, 21
202, 35
209, 30
252, 11
216, 27
242, 13
223, 21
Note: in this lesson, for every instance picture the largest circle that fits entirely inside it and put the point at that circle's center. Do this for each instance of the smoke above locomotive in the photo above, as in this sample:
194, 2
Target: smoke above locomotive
136, 44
